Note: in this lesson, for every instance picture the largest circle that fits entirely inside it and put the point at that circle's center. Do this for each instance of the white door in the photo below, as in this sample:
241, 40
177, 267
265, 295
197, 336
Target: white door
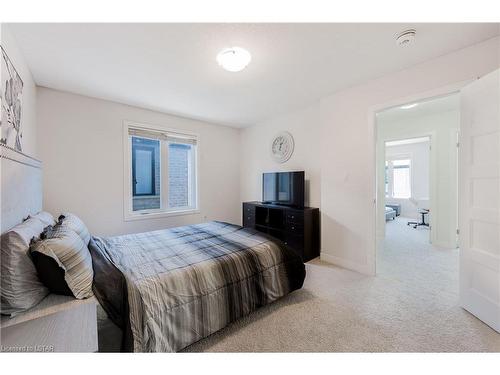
479, 196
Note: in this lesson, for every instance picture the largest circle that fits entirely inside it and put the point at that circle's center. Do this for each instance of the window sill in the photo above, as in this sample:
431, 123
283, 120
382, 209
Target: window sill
158, 215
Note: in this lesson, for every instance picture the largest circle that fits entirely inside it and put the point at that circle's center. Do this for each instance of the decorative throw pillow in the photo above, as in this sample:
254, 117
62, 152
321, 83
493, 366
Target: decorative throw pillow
45, 217
50, 274
20, 287
49, 271
74, 223
65, 247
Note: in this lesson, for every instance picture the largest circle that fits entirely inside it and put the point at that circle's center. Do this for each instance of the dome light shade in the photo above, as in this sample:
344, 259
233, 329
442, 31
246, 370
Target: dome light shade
234, 59
408, 106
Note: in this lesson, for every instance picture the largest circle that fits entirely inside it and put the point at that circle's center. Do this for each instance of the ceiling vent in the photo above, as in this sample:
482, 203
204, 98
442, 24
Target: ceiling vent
406, 37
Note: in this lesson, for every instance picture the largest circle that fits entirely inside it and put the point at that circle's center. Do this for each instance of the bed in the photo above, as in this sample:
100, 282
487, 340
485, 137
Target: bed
167, 289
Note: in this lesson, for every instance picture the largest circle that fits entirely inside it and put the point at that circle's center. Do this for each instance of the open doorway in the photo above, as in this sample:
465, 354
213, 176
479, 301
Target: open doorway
407, 185
417, 188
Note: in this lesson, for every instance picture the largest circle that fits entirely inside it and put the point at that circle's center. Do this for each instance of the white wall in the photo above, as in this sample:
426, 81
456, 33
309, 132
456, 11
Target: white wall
348, 146
419, 155
81, 145
256, 153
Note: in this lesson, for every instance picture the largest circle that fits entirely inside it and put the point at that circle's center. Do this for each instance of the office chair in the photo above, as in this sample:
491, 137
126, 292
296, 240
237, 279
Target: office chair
421, 211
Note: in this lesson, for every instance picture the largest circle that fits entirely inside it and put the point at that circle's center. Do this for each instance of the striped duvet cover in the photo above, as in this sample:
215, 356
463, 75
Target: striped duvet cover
173, 287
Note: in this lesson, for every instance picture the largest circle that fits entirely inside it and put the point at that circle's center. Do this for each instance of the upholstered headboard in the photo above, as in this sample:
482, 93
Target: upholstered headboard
21, 187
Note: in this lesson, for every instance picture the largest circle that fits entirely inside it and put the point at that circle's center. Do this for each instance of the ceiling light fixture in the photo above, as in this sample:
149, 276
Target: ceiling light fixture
234, 59
408, 106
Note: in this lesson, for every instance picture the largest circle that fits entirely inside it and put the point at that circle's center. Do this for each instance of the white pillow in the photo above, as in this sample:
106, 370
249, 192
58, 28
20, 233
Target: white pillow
74, 223
45, 217
20, 287
72, 255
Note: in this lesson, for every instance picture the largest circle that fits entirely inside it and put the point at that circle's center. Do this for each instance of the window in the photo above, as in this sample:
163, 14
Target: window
398, 178
179, 174
160, 172
145, 174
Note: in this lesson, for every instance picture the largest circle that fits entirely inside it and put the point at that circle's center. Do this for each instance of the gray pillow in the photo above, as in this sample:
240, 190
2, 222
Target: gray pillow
20, 287
74, 223
72, 255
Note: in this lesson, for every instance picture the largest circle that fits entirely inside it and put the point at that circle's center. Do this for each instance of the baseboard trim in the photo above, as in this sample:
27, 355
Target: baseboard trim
344, 263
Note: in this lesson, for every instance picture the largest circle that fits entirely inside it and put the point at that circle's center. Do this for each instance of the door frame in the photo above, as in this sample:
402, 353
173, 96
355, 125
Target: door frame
374, 243
381, 147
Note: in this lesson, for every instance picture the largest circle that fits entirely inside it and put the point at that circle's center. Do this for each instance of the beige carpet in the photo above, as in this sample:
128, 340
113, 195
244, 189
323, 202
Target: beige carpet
411, 305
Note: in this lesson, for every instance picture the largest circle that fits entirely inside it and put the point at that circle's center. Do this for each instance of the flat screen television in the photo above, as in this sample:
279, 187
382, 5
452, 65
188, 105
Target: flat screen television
286, 188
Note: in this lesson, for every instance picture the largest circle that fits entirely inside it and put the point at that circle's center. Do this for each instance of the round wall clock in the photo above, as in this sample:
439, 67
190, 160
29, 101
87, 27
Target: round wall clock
282, 147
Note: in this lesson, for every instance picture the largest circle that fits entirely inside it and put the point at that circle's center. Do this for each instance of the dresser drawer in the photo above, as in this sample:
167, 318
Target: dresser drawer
248, 215
294, 228
248, 209
295, 218
248, 220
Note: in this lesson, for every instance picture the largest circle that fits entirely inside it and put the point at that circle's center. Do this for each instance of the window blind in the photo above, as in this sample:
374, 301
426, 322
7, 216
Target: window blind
163, 136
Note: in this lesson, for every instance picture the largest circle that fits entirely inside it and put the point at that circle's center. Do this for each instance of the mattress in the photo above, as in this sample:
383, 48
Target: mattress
170, 288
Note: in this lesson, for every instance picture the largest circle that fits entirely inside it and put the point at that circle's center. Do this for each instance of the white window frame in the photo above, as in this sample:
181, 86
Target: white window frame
164, 211
390, 190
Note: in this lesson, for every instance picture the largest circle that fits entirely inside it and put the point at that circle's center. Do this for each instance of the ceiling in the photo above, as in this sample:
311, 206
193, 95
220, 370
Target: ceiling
172, 67
423, 108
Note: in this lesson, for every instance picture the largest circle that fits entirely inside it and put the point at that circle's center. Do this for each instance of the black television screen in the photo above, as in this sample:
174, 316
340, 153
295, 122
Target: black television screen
285, 188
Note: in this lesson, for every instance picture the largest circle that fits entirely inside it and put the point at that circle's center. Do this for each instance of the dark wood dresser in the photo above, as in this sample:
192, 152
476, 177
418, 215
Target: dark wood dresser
296, 227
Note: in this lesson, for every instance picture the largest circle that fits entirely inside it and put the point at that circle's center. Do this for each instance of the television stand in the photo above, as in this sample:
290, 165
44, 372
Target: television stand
296, 227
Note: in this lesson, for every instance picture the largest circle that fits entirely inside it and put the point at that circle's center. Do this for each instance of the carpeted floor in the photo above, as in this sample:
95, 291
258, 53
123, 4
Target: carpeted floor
410, 306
